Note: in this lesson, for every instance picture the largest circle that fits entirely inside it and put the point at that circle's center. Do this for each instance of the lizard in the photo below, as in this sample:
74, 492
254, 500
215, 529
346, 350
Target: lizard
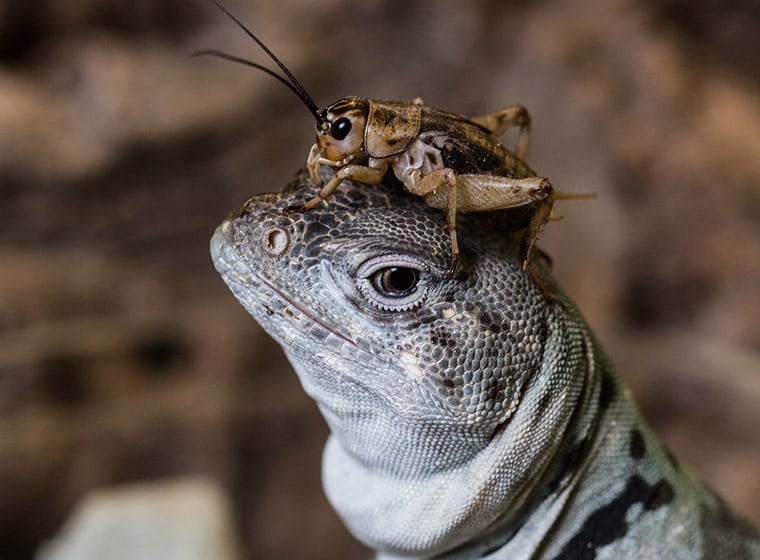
470, 415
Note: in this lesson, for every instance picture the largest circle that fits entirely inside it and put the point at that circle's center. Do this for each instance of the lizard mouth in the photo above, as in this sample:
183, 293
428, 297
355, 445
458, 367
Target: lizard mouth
301, 309
237, 273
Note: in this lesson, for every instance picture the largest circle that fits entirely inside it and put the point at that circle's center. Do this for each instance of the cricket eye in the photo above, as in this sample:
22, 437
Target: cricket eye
340, 128
394, 282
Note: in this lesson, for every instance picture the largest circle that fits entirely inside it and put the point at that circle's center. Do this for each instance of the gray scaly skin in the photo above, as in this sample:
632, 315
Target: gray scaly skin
472, 417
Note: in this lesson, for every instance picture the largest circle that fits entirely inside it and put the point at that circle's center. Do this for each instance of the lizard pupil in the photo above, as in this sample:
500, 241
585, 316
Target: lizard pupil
398, 281
340, 128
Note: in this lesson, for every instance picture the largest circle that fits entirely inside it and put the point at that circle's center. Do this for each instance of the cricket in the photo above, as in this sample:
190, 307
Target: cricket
455, 163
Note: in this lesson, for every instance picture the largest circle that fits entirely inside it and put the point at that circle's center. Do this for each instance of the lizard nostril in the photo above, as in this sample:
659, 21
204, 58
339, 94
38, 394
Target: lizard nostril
275, 241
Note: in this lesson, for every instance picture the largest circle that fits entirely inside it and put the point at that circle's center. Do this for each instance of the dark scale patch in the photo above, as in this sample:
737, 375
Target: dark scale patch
300, 179
313, 230
570, 462
637, 448
296, 249
442, 338
489, 322
493, 393
661, 495
412, 325
330, 220
608, 524
608, 391
355, 196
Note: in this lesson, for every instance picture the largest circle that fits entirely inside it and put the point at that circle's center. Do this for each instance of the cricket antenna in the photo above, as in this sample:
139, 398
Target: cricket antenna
233, 58
294, 85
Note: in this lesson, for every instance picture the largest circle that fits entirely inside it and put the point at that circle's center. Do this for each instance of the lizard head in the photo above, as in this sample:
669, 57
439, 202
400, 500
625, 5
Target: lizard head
418, 371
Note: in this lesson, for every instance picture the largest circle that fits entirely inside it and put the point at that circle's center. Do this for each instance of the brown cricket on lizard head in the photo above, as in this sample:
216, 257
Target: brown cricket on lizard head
453, 162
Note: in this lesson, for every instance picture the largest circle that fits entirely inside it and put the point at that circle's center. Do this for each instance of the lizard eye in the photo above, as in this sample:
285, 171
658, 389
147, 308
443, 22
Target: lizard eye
393, 282
396, 281
340, 128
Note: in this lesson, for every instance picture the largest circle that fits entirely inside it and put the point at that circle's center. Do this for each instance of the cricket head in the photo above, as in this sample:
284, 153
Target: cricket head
340, 129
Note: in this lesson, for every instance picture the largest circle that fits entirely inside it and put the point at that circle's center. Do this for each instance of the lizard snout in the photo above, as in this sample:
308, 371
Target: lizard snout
221, 243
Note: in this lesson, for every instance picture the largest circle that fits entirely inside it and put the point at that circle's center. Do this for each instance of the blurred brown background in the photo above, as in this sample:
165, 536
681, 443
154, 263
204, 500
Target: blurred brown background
124, 358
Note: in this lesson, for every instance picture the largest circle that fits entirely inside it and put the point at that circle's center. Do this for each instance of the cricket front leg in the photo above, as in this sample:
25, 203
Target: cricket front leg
501, 121
312, 164
359, 173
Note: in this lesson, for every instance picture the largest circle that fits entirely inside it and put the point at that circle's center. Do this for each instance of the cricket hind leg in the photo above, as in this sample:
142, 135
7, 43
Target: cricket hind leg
545, 213
536, 224
483, 193
501, 121
451, 213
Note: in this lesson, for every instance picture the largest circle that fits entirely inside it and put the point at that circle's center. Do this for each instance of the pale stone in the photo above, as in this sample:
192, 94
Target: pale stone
187, 519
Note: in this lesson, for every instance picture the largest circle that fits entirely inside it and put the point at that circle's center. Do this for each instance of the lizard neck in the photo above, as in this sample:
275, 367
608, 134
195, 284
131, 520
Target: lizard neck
614, 487
544, 503
495, 490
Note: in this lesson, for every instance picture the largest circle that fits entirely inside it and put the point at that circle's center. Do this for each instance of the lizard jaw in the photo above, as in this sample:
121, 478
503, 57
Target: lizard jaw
228, 265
